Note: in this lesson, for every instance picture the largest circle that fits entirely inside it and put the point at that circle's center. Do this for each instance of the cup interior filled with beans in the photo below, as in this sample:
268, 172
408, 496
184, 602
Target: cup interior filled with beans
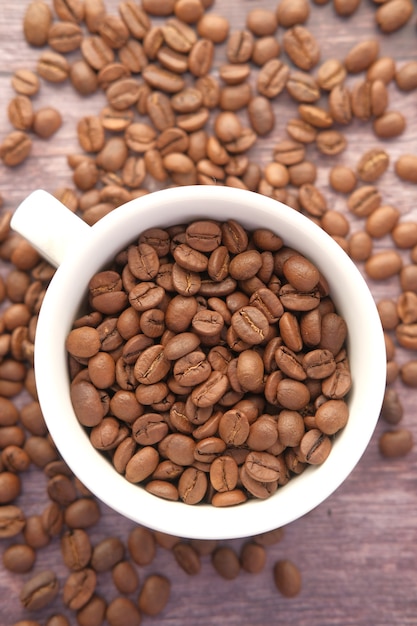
209, 362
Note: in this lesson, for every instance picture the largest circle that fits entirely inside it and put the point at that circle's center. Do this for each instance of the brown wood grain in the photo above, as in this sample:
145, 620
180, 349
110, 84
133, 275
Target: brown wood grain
358, 551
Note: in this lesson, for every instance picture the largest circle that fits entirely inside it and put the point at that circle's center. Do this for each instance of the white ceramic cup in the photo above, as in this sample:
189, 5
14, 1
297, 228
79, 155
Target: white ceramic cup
80, 251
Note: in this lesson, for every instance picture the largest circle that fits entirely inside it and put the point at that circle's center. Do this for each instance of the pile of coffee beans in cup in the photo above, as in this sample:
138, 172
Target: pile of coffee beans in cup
210, 363
185, 97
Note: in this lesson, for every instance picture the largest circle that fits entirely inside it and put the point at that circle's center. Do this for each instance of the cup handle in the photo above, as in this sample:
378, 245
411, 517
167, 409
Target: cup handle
49, 226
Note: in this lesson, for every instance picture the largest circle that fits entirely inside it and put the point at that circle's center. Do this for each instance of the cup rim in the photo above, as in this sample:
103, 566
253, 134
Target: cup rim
204, 521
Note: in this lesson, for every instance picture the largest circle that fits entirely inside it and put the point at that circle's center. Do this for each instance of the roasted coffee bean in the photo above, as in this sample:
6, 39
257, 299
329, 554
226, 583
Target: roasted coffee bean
301, 46
83, 513
20, 112
395, 443
330, 74
406, 76
25, 82
40, 590
382, 265
291, 13
405, 167
106, 554
361, 56
261, 22
12, 520
390, 124
331, 142
272, 78
154, 594
287, 578
393, 17
36, 23
264, 49
64, 36
303, 87
78, 588
226, 562
76, 549
187, 558
392, 409
15, 148
315, 446
364, 200
19, 558
372, 165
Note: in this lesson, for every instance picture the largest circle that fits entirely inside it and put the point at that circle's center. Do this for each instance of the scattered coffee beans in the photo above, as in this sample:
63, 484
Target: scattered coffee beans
179, 97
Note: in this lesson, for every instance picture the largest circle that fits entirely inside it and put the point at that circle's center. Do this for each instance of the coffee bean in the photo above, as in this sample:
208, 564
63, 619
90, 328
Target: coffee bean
389, 125
154, 594
15, 148
39, 591
19, 558
36, 23
226, 562
372, 165
361, 56
364, 200
301, 46
261, 115
46, 122
287, 578
393, 17
330, 74
79, 588
360, 246
392, 409
20, 112
331, 142
261, 22
187, 558
272, 78
252, 557
406, 76
315, 446
340, 104
53, 67
405, 167
382, 265
159, 8
395, 443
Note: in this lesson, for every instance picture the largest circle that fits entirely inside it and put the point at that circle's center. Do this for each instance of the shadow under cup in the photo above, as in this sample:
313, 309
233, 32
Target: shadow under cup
353, 301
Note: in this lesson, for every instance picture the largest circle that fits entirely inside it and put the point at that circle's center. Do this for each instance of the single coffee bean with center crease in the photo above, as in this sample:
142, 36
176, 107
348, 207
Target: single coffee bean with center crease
262, 466
192, 485
15, 148
250, 324
315, 446
272, 78
372, 165
40, 590
78, 588
302, 47
303, 87
76, 549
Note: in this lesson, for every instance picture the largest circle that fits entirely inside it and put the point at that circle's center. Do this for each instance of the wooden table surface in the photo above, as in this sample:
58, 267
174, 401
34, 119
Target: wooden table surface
357, 552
